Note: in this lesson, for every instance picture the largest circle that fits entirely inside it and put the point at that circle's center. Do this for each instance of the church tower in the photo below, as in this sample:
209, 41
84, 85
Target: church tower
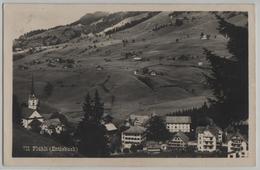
33, 101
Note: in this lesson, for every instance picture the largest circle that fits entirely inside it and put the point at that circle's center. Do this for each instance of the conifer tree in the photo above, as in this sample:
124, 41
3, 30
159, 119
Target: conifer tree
229, 76
90, 132
156, 130
16, 111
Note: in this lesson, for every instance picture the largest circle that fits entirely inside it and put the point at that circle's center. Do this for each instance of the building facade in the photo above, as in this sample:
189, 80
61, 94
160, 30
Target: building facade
207, 140
178, 142
237, 146
178, 123
135, 135
26, 122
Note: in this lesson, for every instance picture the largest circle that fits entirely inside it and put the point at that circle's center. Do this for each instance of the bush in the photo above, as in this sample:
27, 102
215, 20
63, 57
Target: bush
126, 150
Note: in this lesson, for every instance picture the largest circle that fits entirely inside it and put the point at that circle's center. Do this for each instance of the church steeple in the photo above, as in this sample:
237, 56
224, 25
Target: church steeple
32, 86
33, 101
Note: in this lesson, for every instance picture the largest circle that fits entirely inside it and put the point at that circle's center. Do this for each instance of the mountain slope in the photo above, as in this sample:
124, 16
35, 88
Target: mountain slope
153, 65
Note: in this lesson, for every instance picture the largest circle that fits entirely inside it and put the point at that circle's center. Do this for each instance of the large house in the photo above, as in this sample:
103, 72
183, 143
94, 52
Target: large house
135, 135
178, 142
237, 146
178, 123
207, 139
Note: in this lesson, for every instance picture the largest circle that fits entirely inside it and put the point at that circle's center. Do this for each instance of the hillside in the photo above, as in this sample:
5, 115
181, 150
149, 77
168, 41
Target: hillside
141, 62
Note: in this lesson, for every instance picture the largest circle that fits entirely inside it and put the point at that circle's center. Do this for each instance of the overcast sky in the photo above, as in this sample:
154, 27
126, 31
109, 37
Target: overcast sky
27, 18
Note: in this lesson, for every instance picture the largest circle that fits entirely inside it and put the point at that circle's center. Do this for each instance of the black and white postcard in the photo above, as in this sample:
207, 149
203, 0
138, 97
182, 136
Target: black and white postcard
129, 85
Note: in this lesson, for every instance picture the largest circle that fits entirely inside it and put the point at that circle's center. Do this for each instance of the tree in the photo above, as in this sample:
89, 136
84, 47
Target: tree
87, 107
98, 108
16, 110
90, 132
156, 130
228, 78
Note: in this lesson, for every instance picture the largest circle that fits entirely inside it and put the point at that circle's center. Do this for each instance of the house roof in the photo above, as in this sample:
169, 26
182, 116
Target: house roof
141, 118
110, 127
26, 112
183, 137
229, 136
153, 144
106, 115
53, 122
135, 130
178, 119
212, 129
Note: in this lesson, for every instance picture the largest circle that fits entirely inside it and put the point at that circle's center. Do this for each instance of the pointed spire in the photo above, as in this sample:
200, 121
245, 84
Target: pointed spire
32, 86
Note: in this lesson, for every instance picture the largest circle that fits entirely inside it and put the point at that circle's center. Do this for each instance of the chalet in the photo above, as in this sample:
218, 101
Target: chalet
138, 120
237, 145
206, 139
178, 142
135, 135
51, 126
216, 130
178, 123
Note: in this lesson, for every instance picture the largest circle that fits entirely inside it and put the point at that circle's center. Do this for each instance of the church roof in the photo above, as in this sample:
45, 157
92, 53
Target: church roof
26, 112
30, 113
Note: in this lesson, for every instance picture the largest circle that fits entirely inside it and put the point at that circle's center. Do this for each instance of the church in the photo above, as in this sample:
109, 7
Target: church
31, 117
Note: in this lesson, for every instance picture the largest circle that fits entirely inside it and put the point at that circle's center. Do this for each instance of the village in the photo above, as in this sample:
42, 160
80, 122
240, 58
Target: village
130, 138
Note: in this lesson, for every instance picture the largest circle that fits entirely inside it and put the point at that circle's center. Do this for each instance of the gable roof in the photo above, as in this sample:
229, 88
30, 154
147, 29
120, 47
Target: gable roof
230, 136
140, 118
110, 127
183, 137
135, 130
26, 112
178, 119
214, 130
53, 122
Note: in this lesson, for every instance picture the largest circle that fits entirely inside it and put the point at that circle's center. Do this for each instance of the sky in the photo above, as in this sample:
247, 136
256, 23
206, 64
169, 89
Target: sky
25, 18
